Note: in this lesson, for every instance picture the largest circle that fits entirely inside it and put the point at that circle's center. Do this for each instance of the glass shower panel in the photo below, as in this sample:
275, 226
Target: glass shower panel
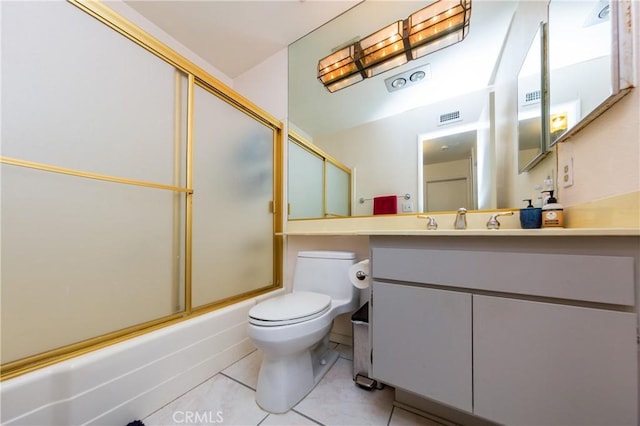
82, 258
337, 191
233, 246
305, 183
84, 97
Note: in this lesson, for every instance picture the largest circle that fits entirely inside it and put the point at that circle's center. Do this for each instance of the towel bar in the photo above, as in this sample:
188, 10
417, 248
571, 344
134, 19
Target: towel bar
405, 196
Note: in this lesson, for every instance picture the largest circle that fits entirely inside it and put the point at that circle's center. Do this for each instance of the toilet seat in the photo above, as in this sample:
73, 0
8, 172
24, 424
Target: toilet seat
289, 309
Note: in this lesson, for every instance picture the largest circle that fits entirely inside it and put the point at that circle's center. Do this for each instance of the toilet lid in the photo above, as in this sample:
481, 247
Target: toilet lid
289, 308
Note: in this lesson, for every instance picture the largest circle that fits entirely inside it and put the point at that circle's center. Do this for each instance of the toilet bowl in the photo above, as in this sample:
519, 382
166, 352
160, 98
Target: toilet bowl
292, 330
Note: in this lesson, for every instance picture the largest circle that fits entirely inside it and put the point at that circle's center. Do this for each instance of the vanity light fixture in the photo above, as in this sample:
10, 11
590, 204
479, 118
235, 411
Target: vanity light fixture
439, 25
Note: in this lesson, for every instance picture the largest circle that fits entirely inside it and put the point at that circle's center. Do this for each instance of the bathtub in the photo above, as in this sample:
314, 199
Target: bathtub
131, 379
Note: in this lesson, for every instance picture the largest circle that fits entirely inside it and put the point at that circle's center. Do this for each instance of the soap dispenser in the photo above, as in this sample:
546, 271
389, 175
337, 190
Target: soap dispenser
552, 213
530, 217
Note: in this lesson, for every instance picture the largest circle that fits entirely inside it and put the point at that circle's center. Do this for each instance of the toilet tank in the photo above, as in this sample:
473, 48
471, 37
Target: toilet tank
325, 272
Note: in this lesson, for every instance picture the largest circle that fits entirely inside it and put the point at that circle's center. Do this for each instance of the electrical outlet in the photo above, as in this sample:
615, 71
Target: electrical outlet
407, 206
566, 173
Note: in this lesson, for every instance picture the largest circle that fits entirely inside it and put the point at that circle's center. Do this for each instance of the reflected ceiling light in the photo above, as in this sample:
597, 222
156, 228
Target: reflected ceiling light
383, 50
439, 25
339, 69
559, 122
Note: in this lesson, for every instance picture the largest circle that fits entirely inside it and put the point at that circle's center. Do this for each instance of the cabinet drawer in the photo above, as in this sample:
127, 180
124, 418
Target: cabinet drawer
602, 279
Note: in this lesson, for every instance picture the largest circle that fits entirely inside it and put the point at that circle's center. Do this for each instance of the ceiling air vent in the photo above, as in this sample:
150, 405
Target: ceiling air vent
450, 117
532, 97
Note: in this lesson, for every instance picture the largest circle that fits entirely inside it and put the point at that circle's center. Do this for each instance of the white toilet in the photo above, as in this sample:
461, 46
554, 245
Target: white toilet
293, 330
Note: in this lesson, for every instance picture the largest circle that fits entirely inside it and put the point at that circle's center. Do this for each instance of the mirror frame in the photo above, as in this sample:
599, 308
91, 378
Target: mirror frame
544, 100
622, 65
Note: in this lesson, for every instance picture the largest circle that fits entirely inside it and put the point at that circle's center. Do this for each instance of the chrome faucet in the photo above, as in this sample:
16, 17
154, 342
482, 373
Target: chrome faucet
493, 220
461, 219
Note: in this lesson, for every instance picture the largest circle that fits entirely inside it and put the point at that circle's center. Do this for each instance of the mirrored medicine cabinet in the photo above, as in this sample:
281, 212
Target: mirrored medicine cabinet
533, 103
590, 61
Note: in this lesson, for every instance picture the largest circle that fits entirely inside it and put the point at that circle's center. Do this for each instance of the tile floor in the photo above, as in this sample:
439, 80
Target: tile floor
228, 398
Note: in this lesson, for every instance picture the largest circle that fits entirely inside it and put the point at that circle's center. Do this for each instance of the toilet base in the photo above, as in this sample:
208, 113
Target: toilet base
285, 381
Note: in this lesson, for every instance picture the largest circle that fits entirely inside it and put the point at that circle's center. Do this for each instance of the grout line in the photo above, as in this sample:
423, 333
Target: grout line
250, 353
306, 417
237, 381
262, 421
179, 396
393, 407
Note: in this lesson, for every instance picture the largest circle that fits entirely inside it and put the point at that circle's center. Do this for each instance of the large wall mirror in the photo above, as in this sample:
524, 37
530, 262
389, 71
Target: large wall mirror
590, 61
382, 135
389, 138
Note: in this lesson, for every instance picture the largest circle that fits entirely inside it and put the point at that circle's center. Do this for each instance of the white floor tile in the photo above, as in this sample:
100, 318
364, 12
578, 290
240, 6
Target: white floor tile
337, 400
219, 400
289, 418
246, 370
402, 417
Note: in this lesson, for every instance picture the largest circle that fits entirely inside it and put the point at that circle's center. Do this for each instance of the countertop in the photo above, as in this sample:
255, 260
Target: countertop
416, 225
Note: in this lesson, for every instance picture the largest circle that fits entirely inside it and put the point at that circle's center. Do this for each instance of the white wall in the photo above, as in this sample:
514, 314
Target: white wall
384, 153
342, 328
266, 85
485, 158
130, 14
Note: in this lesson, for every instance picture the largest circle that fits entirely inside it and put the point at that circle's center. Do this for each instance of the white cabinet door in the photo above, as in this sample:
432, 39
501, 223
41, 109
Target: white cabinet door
547, 364
421, 340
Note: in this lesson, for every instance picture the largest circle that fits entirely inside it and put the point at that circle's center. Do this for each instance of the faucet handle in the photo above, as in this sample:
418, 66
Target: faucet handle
493, 221
432, 224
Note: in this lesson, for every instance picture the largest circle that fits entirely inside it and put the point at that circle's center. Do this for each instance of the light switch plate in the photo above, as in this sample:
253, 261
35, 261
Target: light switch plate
407, 206
566, 173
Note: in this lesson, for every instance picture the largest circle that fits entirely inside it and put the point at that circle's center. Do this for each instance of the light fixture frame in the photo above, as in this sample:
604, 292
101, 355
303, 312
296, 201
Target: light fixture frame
434, 27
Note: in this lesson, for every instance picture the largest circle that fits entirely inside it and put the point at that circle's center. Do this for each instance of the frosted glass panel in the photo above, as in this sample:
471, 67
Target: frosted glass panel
82, 257
337, 191
233, 186
305, 183
77, 94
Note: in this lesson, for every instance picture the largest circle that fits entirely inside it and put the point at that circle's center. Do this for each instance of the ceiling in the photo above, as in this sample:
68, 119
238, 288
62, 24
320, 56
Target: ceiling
236, 35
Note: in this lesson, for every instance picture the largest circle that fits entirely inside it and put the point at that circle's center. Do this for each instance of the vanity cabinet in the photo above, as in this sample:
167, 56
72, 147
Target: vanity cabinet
423, 341
542, 363
463, 322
